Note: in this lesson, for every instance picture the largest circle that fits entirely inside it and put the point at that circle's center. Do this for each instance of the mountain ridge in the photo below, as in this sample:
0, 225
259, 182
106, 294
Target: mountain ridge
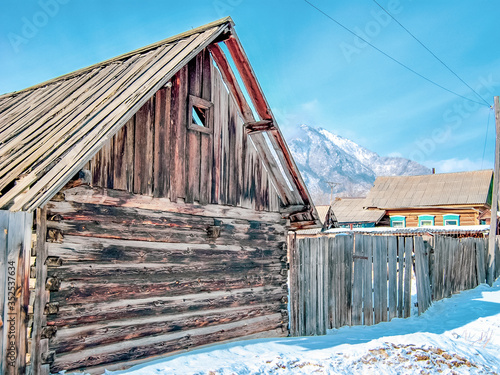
322, 156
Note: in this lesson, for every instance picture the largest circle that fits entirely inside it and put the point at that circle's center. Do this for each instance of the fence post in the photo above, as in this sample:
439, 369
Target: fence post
16, 249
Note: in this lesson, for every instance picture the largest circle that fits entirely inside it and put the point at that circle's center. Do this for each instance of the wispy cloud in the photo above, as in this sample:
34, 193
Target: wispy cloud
458, 165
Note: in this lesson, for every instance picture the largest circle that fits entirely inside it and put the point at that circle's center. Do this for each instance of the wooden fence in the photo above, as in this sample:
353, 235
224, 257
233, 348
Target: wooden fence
364, 280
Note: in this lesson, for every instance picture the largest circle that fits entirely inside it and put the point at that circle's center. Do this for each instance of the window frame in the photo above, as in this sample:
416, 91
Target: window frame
398, 219
426, 218
451, 217
207, 106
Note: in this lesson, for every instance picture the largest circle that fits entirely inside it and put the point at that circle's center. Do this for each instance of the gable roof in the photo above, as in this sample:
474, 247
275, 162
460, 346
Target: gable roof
351, 210
446, 189
49, 131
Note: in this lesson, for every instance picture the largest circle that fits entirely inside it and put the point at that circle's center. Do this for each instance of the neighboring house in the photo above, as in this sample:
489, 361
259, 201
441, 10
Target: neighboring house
448, 199
350, 213
159, 202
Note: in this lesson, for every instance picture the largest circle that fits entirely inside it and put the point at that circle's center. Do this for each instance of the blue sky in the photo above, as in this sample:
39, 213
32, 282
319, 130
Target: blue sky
311, 70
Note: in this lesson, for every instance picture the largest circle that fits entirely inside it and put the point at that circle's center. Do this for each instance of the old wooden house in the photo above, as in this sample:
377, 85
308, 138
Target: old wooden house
147, 203
447, 199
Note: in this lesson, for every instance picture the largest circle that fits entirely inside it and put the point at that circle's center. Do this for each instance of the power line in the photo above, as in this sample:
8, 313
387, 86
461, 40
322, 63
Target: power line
432, 53
390, 57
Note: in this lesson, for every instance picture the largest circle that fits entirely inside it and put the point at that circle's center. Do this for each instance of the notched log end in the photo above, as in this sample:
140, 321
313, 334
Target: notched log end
52, 261
53, 284
54, 235
51, 308
49, 332
213, 231
49, 357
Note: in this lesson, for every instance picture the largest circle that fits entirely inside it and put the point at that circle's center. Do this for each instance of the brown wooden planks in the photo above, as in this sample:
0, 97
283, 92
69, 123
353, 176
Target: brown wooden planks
123, 170
144, 143
161, 157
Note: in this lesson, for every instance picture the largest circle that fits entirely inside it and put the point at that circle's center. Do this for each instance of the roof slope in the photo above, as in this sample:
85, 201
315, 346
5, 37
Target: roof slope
351, 210
462, 188
49, 131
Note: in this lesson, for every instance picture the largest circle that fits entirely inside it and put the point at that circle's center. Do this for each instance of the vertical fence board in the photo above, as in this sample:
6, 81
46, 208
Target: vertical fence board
422, 276
16, 297
4, 226
367, 282
407, 276
401, 252
357, 286
377, 279
383, 277
393, 282
480, 262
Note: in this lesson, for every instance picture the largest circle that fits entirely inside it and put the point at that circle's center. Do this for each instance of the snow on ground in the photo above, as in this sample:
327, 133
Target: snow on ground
458, 335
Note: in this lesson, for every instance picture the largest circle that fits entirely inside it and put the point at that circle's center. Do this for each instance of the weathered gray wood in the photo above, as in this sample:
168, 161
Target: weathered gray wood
422, 276
16, 297
401, 257
384, 277
4, 227
377, 278
348, 265
393, 283
41, 297
357, 288
407, 276
368, 282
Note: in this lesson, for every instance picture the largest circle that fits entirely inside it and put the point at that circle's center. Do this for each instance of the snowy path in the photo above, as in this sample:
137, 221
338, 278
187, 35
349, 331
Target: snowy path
458, 335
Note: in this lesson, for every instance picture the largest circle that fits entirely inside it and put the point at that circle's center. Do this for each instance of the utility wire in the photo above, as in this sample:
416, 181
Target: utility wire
432, 53
392, 58
486, 136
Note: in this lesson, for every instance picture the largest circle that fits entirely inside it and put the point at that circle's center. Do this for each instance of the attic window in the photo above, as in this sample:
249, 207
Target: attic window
200, 115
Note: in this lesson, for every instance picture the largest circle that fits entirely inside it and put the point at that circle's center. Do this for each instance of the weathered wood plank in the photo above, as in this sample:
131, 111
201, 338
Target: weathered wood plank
377, 279
117, 198
16, 297
401, 257
367, 282
422, 276
167, 343
89, 312
123, 170
161, 159
41, 297
4, 228
357, 289
144, 143
393, 282
218, 96
178, 134
384, 277
106, 333
407, 276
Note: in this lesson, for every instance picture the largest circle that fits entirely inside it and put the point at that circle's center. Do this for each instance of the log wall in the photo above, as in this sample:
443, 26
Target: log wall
159, 153
468, 216
128, 282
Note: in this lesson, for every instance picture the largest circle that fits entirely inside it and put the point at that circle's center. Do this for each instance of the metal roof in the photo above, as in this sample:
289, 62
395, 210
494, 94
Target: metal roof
49, 131
351, 210
461, 188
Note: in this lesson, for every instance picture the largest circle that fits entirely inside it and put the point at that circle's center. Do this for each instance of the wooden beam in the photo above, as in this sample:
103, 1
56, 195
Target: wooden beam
248, 77
259, 126
231, 82
494, 202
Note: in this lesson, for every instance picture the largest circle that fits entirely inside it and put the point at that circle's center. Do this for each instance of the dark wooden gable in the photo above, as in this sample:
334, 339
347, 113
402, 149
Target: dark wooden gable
162, 152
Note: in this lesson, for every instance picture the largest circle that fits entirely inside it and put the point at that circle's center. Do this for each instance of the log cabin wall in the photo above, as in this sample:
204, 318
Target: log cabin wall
178, 242
159, 153
127, 283
467, 216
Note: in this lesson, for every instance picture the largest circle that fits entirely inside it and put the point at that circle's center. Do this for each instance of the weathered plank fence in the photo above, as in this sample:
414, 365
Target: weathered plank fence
365, 280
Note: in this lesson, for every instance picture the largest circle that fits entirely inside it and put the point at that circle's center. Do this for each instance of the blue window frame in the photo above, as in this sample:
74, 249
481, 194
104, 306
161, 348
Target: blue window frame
425, 220
398, 221
451, 219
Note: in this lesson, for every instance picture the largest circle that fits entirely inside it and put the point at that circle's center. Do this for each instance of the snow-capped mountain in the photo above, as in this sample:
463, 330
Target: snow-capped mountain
323, 156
